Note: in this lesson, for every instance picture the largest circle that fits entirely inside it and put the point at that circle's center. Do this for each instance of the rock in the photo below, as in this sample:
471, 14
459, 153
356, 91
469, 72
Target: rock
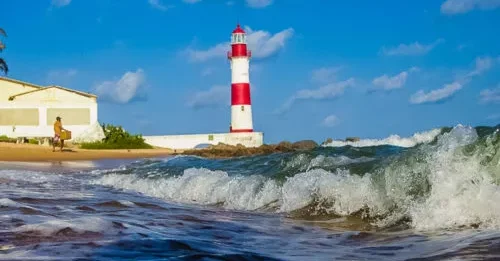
305, 145
222, 150
352, 139
284, 146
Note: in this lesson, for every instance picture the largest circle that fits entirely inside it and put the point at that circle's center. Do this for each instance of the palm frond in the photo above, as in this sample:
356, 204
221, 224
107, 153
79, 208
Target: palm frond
3, 66
2, 32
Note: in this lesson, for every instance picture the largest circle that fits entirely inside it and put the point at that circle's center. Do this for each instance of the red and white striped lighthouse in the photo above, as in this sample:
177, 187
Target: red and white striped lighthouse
241, 105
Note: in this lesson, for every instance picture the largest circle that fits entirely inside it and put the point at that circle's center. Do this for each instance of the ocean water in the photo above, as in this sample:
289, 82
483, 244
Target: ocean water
432, 196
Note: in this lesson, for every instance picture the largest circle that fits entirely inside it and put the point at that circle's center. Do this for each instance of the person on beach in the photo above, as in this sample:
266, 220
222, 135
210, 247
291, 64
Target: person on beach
58, 128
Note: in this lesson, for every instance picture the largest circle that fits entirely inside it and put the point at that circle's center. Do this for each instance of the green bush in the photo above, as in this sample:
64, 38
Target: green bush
4, 138
117, 138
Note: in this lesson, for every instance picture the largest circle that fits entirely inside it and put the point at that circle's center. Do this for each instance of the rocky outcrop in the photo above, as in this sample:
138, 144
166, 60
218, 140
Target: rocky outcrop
222, 150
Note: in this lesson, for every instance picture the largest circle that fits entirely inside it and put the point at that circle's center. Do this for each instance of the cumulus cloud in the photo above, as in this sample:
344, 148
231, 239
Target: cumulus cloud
412, 49
157, 4
329, 91
218, 95
262, 44
482, 64
433, 96
330, 121
386, 82
490, 95
60, 3
259, 3
325, 74
60, 77
128, 88
454, 7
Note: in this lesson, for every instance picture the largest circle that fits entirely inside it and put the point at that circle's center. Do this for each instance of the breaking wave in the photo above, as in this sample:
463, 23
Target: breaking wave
446, 178
393, 140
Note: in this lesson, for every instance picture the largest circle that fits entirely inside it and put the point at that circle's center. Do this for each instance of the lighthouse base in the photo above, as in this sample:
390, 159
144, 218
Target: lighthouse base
191, 141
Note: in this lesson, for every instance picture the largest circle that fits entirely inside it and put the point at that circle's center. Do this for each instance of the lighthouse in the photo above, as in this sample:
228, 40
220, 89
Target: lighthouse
241, 130
241, 104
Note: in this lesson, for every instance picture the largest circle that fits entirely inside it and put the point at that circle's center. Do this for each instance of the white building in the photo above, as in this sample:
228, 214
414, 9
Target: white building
29, 110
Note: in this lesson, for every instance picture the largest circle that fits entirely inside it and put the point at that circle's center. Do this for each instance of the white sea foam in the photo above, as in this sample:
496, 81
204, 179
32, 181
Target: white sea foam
29, 176
393, 140
79, 225
6, 202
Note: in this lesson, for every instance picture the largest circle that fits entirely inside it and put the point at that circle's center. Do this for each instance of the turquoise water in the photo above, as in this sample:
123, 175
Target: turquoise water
432, 196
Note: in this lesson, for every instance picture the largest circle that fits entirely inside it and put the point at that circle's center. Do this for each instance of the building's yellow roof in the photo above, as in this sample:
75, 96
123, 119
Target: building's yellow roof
21, 82
42, 88
57, 87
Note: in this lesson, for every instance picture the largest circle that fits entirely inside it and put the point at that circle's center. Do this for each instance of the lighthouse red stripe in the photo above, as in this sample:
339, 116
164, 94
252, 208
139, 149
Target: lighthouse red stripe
240, 94
241, 130
239, 50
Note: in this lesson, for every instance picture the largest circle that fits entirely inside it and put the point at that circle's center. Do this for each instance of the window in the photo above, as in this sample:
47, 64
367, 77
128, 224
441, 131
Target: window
242, 108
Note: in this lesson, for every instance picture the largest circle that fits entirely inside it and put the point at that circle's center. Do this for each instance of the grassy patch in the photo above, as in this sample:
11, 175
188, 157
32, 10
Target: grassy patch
117, 138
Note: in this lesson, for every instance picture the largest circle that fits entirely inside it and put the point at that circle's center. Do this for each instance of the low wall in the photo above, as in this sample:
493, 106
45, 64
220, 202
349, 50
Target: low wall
190, 141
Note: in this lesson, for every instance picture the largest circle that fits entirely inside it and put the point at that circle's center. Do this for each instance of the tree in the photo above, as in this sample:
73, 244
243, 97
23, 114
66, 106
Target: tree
3, 65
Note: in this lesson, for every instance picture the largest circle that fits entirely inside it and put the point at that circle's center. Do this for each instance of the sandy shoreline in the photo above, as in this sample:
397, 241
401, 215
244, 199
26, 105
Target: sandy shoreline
30, 152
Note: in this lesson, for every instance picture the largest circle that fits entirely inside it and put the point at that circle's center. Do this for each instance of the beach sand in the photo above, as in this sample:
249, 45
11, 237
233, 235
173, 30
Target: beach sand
30, 152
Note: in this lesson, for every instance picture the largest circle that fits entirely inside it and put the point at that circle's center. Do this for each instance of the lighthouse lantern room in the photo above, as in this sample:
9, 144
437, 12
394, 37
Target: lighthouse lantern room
241, 106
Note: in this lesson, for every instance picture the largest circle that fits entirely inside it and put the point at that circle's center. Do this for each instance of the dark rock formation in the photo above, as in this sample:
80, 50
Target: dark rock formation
222, 150
305, 145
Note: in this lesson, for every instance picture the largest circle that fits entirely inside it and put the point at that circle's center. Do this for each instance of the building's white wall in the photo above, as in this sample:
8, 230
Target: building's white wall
250, 139
43, 129
239, 70
241, 120
9, 88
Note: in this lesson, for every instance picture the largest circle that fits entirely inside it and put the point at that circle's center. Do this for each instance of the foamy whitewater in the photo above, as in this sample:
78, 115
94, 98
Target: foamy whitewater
434, 195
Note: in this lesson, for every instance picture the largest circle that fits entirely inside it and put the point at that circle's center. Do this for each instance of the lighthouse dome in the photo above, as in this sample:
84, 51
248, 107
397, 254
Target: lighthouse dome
238, 30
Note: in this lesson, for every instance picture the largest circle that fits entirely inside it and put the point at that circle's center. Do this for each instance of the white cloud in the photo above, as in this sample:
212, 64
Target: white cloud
330, 121
129, 87
448, 90
262, 44
60, 77
386, 82
413, 49
207, 71
482, 64
218, 95
157, 4
490, 95
325, 74
453, 7
325, 92
259, 3
60, 3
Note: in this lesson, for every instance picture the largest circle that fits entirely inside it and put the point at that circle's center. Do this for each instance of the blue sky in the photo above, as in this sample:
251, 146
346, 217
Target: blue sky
320, 68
